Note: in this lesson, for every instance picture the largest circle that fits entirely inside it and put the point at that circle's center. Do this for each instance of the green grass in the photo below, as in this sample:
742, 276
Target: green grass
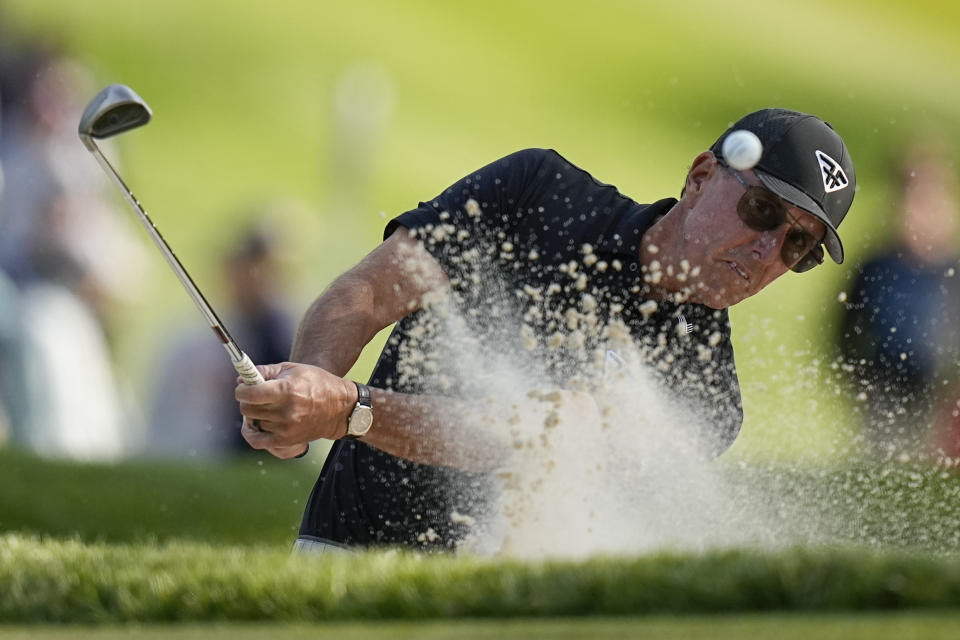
897, 626
871, 504
138, 542
254, 500
71, 582
258, 500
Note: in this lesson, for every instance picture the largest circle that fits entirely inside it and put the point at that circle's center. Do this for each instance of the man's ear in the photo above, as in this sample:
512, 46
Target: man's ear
700, 171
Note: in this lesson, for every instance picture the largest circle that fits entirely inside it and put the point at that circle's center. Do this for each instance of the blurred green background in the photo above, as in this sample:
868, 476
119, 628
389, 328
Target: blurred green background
353, 112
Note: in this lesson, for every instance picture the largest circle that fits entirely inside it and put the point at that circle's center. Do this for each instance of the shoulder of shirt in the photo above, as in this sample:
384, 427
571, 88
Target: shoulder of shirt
534, 156
549, 160
540, 155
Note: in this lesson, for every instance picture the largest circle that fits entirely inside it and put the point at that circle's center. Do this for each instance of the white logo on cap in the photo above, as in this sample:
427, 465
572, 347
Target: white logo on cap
833, 176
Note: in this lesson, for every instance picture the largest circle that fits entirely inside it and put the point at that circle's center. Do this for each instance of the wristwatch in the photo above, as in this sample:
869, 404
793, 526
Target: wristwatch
361, 418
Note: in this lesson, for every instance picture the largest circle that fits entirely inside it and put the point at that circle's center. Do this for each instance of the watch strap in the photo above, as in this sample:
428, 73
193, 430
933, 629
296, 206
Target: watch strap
363, 401
363, 395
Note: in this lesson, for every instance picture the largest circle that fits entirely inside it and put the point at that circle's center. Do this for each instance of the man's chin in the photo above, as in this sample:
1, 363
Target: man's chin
717, 293
719, 298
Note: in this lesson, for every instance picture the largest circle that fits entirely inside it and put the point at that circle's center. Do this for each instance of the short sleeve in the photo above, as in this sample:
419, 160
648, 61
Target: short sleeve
497, 190
483, 204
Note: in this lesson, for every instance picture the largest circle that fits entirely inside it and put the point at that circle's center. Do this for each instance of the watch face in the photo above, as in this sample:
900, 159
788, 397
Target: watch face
360, 421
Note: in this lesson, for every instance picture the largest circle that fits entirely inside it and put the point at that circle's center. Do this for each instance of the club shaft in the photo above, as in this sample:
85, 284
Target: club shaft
236, 354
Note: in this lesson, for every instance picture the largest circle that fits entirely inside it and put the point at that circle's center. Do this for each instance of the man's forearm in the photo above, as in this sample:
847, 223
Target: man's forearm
433, 430
384, 287
337, 326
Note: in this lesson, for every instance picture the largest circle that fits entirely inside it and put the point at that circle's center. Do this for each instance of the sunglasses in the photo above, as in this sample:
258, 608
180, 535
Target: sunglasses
761, 210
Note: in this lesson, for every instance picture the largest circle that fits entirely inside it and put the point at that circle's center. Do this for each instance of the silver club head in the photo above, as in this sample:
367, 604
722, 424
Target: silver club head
114, 110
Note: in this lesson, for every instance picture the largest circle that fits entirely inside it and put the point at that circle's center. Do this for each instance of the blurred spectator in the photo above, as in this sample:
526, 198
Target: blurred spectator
901, 329
16, 400
70, 254
60, 225
193, 410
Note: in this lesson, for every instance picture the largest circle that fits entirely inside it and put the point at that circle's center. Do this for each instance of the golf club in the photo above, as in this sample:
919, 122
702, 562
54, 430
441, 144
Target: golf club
115, 110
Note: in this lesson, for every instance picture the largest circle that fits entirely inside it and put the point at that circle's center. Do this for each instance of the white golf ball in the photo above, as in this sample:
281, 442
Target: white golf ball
742, 149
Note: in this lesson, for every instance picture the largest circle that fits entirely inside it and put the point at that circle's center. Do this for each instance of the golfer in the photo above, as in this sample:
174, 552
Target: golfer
537, 257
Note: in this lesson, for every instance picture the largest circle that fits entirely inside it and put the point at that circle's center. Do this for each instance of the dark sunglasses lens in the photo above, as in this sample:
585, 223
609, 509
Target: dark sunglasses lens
796, 245
760, 210
812, 259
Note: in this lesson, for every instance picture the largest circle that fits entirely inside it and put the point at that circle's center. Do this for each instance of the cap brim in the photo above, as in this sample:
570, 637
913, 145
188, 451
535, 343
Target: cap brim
799, 199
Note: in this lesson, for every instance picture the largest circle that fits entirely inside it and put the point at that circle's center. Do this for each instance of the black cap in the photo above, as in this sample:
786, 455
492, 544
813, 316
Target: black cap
806, 163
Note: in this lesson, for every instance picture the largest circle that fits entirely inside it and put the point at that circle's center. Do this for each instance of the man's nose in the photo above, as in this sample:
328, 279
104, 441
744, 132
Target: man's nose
766, 247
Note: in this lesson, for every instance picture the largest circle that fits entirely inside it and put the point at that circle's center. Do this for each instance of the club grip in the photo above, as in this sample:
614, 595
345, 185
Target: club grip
247, 370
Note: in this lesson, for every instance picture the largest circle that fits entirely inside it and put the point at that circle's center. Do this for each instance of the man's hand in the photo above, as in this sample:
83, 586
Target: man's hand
297, 403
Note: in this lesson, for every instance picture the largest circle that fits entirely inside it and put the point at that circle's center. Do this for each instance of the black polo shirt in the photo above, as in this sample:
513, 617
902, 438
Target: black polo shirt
523, 241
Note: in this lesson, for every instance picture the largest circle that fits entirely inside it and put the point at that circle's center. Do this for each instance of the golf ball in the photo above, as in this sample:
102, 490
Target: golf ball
742, 149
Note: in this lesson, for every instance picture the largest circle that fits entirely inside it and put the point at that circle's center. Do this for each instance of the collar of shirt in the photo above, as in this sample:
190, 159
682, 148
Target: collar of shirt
624, 239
